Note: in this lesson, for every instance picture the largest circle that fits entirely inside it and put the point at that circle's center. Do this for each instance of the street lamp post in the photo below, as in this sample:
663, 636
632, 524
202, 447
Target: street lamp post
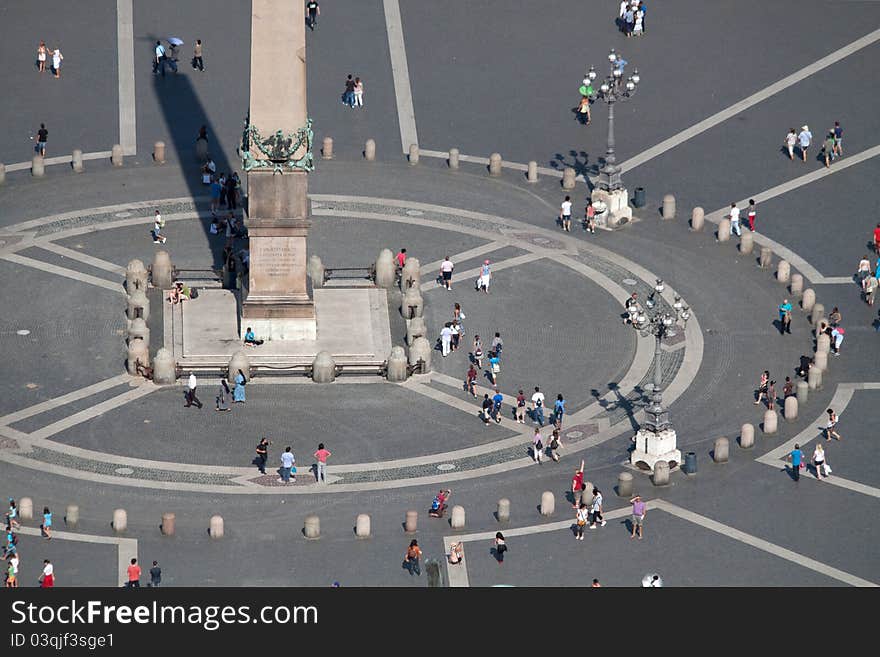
656, 438
609, 191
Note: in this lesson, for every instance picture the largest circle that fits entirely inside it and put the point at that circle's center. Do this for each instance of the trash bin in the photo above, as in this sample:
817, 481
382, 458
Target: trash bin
639, 199
690, 463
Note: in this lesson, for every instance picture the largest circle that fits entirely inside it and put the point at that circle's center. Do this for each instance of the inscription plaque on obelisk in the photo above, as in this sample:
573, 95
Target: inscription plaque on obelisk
276, 153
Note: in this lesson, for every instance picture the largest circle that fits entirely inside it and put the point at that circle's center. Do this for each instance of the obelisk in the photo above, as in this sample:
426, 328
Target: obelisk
276, 154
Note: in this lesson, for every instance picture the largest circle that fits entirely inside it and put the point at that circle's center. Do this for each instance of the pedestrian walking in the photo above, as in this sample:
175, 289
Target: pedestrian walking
198, 62
42, 51
358, 92
159, 59
12, 513
238, 394
477, 352
312, 13
796, 456
348, 95
734, 220
12, 573
223, 394
457, 313
565, 214
411, 558
577, 486
497, 400
583, 111
558, 411
819, 462
486, 409
869, 288
158, 225
497, 343
520, 412
752, 214
595, 584
590, 218
484, 278
500, 547
538, 445
581, 516
172, 56
446, 268
838, 139
134, 574
262, 454
831, 425
191, 385
597, 509
46, 527
639, 510
771, 396
785, 317
494, 367
538, 407
455, 328
805, 137
470, 381
155, 575
47, 578
790, 140
761, 392
445, 339
438, 504
553, 445
835, 317
828, 149
321, 456
57, 58
42, 138
287, 467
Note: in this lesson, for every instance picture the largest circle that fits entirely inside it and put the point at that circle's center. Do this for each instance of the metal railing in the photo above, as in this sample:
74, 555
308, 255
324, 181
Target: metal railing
350, 273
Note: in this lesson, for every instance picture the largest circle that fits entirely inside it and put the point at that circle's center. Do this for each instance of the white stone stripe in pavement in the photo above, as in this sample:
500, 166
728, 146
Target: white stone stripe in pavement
406, 115
799, 263
125, 64
754, 99
85, 258
63, 271
63, 400
126, 548
468, 276
475, 252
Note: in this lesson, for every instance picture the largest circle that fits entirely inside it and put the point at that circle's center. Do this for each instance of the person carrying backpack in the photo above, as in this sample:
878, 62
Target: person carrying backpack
438, 505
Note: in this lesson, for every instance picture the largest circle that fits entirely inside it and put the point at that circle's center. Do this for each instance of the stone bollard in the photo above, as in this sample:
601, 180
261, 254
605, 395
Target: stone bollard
766, 257
412, 305
327, 148
814, 378
159, 152
316, 271
120, 521
820, 361
38, 167
26, 508
362, 525
162, 271
370, 150
495, 164
138, 352
411, 522
411, 274
323, 368
823, 343
202, 150
420, 350
312, 527
532, 172
746, 242
796, 287
548, 503
238, 361
783, 271
135, 276
215, 526
76, 161
503, 512
661, 473
454, 154
791, 409
568, 178
747, 436
457, 519
397, 370
668, 209
2, 173
698, 217
413, 153
116, 156
138, 305
138, 330
587, 493
624, 484
71, 516
386, 270
415, 328
770, 422
167, 526
803, 392
817, 313
721, 450
164, 367
724, 230
808, 300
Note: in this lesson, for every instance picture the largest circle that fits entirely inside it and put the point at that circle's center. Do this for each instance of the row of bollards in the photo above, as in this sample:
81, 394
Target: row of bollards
38, 162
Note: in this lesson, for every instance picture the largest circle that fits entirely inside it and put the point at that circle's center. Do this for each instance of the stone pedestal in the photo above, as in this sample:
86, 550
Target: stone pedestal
653, 447
617, 207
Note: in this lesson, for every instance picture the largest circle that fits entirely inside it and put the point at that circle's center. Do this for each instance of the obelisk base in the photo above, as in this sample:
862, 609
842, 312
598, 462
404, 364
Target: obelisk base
278, 321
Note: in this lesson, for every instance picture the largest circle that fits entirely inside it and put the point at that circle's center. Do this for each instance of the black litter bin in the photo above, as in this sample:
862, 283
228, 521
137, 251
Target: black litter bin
690, 463
639, 199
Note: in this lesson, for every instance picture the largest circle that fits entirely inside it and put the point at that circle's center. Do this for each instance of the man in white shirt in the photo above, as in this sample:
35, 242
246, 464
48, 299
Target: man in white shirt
804, 139
287, 461
565, 214
734, 220
445, 339
446, 268
597, 509
191, 385
538, 406
159, 59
